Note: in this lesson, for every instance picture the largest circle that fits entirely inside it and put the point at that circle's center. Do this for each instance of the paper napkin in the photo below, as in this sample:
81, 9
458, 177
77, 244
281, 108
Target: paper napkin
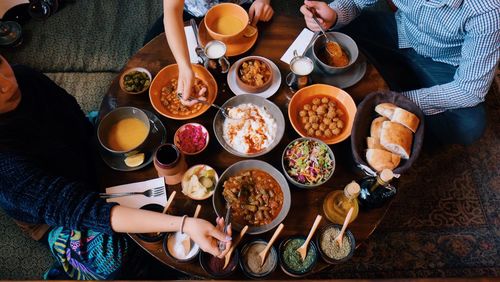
137, 201
300, 44
191, 42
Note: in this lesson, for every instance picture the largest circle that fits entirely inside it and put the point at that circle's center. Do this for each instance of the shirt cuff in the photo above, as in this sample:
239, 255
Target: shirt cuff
342, 18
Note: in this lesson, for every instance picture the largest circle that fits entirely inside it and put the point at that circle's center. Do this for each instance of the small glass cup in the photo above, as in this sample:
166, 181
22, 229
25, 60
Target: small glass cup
301, 68
216, 54
170, 163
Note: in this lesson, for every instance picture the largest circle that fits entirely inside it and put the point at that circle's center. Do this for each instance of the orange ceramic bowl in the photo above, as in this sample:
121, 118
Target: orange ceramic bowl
306, 95
164, 77
226, 21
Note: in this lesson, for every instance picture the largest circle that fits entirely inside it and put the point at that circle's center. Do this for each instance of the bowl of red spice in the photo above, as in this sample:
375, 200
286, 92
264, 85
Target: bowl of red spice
191, 138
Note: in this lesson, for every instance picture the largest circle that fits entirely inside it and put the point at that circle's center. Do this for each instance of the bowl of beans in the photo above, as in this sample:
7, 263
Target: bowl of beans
165, 99
322, 111
135, 80
330, 250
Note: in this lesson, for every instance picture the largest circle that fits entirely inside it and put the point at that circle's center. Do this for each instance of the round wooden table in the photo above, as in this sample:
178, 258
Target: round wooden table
274, 39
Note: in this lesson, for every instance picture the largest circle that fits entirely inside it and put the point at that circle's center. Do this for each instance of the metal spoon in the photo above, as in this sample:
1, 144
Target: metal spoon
332, 47
223, 111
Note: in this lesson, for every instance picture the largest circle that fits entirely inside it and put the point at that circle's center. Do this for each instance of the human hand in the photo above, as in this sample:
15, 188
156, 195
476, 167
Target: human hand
326, 15
185, 84
207, 236
260, 10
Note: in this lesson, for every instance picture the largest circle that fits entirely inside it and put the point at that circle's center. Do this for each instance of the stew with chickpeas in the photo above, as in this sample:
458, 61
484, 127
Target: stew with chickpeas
322, 117
260, 200
172, 103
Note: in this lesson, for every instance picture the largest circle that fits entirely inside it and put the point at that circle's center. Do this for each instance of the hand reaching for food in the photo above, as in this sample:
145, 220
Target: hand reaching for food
207, 236
326, 15
260, 10
185, 84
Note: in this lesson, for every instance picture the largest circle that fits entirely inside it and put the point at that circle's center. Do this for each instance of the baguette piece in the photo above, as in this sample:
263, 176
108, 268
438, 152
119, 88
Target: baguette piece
406, 118
396, 138
381, 159
377, 126
386, 109
373, 143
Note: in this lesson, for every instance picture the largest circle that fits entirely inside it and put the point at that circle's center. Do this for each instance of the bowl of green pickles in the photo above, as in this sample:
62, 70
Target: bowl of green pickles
135, 80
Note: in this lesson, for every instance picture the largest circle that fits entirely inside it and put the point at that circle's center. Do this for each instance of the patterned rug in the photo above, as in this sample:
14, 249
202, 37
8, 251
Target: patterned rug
445, 220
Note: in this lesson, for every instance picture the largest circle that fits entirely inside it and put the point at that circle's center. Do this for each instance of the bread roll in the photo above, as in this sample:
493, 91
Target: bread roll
386, 109
373, 143
406, 118
396, 138
381, 159
376, 126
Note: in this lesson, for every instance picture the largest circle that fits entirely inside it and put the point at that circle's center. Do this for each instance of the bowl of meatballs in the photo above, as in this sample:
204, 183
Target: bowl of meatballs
322, 111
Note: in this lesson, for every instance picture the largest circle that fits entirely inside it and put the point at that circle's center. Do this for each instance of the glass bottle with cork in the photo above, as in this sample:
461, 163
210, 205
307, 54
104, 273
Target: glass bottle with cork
337, 203
376, 190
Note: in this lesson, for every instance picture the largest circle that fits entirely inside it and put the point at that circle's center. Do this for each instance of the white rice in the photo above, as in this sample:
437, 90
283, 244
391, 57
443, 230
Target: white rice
250, 129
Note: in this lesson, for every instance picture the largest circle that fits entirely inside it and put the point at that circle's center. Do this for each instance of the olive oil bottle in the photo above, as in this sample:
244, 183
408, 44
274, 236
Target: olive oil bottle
337, 203
376, 191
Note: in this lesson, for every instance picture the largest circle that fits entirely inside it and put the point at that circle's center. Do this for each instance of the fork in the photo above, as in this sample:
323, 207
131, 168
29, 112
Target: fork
153, 192
198, 50
223, 111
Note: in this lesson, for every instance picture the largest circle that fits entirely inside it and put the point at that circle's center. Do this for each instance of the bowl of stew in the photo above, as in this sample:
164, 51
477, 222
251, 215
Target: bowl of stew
165, 100
264, 200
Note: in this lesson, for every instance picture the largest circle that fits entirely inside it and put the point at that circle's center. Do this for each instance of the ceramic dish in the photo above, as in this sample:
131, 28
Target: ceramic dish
157, 136
197, 188
275, 84
205, 262
263, 65
214, 21
271, 257
269, 107
163, 79
320, 54
193, 254
234, 48
307, 94
138, 69
342, 80
347, 236
199, 135
311, 251
220, 203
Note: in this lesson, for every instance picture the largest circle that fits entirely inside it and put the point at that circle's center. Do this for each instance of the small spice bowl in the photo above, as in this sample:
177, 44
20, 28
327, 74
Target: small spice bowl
288, 255
152, 237
135, 80
171, 247
328, 248
191, 138
250, 259
213, 265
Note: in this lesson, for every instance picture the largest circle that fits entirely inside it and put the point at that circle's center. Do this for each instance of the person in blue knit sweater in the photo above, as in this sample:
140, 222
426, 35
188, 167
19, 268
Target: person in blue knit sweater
46, 178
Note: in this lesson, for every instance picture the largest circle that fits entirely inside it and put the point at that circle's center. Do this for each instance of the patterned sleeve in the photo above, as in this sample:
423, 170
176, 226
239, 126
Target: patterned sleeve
347, 10
479, 58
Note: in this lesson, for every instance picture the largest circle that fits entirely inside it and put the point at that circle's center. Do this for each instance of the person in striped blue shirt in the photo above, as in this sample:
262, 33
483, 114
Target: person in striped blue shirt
442, 54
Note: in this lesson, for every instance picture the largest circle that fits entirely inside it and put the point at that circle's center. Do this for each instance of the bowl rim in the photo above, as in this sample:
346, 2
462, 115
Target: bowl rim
352, 59
296, 183
266, 103
203, 256
161, 109
248, 87
263, 166
209, 194
285, 267
129, 70
347, 233
203, 129
350, 121
167, 252
243, 267
132, 151
219, 6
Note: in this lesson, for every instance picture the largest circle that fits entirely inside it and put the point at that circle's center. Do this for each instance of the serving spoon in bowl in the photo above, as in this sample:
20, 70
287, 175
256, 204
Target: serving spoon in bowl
223, 111
331, 46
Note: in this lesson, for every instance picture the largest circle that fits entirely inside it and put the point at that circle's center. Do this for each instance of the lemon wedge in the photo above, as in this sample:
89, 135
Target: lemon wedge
134, 160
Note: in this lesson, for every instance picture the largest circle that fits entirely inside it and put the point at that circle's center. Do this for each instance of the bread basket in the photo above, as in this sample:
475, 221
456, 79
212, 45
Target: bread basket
366, 113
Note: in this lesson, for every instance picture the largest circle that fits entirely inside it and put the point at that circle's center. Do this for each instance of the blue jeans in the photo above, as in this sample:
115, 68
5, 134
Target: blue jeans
404, 69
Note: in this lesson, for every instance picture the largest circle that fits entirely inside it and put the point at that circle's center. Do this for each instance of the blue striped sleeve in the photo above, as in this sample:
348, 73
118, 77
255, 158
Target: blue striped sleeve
479, 56
347, 10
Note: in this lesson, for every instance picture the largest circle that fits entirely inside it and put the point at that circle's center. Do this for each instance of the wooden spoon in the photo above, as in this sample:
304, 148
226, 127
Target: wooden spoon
186, 243
233, 246
263, 254
303, 249
167, 205
339, 237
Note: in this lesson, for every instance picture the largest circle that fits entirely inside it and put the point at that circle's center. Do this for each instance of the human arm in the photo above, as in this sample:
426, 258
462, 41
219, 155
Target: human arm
480, 54
124, 219
336, 14
174, 31
260, 10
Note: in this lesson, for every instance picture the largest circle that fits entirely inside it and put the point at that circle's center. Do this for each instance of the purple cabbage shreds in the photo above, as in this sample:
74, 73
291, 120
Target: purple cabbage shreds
302, 179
